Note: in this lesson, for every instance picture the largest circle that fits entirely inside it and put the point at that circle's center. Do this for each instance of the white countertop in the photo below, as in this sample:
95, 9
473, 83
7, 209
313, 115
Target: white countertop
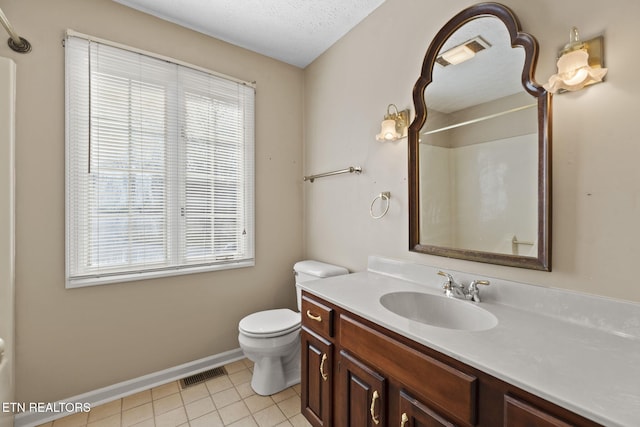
586, 363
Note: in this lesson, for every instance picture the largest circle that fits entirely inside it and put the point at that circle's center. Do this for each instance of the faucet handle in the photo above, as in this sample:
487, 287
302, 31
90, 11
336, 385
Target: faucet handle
474, 292
450, 280
478, 282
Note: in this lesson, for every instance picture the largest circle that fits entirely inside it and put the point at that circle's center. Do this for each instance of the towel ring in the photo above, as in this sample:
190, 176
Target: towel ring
384, 196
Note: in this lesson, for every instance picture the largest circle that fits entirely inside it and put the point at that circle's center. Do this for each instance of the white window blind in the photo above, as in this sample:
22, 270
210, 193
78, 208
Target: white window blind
160, 167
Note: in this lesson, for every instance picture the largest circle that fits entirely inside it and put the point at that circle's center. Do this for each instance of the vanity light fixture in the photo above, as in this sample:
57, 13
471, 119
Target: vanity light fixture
394, 125
579, 64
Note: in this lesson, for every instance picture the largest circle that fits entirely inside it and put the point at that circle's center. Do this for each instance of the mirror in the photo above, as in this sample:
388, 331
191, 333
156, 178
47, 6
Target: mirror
479, 167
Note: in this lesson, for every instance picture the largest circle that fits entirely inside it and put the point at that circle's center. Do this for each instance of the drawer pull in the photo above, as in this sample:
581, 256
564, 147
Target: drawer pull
404, 420
374, 417
324, 359
313, 316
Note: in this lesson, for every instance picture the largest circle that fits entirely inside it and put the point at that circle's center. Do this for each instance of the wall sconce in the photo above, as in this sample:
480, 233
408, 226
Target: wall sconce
579, 64
394, 125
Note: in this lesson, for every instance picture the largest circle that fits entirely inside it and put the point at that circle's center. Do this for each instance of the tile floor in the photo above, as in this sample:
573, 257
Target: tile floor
222, 401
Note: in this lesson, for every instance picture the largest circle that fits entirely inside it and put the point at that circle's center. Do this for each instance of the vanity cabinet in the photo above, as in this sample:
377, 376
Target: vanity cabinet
317, 356
519, 413
377, 378
363, 394
317, 379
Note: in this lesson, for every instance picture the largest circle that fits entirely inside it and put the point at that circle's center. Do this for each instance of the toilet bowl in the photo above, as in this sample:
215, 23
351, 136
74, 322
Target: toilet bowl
271, 338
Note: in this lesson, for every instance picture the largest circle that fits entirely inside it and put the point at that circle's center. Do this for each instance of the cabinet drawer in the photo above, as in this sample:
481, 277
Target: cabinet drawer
519, 413
317, 317
442, 387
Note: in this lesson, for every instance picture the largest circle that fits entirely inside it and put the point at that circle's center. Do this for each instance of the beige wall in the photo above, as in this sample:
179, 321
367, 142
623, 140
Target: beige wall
596, 176
74, 341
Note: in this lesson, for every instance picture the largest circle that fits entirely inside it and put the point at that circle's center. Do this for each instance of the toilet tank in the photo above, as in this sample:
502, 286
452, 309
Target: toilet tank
314, 270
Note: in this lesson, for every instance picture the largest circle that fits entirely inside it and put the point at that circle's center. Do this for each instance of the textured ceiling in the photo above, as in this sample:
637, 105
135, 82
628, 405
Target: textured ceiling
292, 31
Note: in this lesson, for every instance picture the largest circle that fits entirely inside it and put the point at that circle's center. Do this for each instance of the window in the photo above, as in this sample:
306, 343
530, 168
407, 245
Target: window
160, 166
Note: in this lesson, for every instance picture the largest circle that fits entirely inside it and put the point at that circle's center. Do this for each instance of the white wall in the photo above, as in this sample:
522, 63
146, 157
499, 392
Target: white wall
596, 178
497, 193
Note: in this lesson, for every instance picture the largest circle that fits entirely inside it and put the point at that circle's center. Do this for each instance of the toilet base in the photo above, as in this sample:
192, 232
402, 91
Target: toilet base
276, 361
272, 374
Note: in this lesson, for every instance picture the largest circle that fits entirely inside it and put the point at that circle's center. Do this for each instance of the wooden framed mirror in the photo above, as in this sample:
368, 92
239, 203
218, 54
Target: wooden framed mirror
479, 146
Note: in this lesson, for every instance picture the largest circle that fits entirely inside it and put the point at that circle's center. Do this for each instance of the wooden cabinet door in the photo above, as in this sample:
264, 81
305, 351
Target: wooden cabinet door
362, 394
415, 414
519, 413
317, 379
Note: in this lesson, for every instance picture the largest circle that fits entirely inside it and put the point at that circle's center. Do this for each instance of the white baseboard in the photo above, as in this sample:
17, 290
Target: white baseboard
126, 388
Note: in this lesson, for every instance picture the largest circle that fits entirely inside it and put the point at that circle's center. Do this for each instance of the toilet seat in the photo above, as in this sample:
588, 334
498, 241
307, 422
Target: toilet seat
270, 323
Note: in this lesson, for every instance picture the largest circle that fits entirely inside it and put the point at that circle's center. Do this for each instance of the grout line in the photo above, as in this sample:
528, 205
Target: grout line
294, 392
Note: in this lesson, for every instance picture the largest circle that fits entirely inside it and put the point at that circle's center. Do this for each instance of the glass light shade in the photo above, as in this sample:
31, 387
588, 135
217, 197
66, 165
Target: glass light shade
388, 131
458, 54
574, 72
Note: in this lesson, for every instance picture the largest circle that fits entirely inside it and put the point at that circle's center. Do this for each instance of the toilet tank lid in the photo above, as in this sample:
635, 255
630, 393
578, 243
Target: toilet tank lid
319, 269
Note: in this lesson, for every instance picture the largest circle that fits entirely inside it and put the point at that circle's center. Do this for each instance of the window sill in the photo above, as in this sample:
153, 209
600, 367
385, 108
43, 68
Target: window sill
82, 282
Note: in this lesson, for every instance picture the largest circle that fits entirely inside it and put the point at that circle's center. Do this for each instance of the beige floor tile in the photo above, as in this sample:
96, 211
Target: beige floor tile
225, 397
245, 422
240, 377
165, 390
193, 393
210, 420
245, 390
105, 410
235, 367
137, 415
256, 402
172, 418
234, 412
298, 389
146, 423
49, 424
299, 421
215, 385
283, 395
75, 420
248, 363
167, 403
136, 400
269, 417
200, 407
291, 406
110, 421
223, 401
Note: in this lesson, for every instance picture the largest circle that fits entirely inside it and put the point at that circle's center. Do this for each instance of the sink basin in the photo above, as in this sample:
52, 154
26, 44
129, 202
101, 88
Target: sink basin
439, 311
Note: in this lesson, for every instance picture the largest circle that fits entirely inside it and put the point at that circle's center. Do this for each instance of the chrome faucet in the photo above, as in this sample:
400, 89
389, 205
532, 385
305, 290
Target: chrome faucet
473, 293
453, 289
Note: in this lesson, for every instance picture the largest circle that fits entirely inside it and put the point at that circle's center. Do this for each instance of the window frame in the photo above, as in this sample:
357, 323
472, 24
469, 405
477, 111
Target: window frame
176, 182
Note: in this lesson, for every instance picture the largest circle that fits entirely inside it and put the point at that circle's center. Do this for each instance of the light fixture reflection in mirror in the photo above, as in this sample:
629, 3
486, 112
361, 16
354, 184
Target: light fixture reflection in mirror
579, 65
394, 125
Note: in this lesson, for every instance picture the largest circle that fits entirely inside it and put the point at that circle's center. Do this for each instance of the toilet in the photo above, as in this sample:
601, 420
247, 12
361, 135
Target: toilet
271, 338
